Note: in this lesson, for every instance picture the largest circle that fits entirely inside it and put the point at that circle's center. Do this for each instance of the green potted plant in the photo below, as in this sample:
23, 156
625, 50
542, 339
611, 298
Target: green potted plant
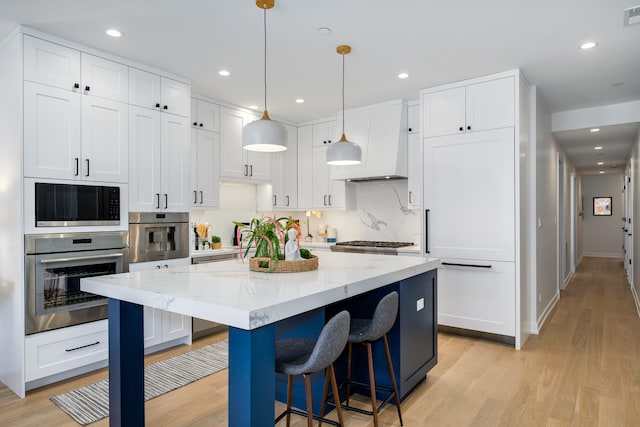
215, 242
263, 234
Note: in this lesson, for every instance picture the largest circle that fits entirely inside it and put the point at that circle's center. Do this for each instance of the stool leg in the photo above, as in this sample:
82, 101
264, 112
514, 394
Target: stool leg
289, 393
372, 381
325, 390
350, 349
307, 383
393, 376
336, 395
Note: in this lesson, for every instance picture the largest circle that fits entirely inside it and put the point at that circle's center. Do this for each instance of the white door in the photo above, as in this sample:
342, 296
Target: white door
206, 165
144, 89
290, 170
305, 167
444, 112
174, 149
51, 64
175, 97
104, 78
469, 192
105, 140
490, 105
320, 177
206, 115
414, 166
259, 165
175, 326
52, 133
144, 159
232, 163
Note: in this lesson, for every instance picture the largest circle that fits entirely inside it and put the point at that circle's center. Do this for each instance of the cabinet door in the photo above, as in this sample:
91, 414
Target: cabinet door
206, 115
144, 160
175, 326
51, 132
414, 163
144, 89
259, 165
336, 192
51, 64
174, 149
290, 170
105, 140
175, 97
320, 177
470, 193
205, 162
104, 78
232, 163
325, 133
477, 298
152, 326
491, 105
305, 167
444, 112
413, 118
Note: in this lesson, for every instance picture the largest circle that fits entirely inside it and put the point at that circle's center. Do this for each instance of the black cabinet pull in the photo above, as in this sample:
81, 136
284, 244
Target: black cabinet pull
157, 200
200, 124
87, 160
166, 201
165, 107
76, 85
426, 230
329, 198
468, 127
77, 166
201, 197
246, 170
195, 197
324, 199
195, 123
456, 264
274, 199
324, 142
329, 141
410, 129
158, 105
410, 196
87, 88
287, 200
250, 170
81, 347
461, 128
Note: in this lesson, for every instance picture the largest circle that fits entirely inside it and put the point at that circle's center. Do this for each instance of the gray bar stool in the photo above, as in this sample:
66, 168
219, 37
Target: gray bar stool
365, 332
303, 356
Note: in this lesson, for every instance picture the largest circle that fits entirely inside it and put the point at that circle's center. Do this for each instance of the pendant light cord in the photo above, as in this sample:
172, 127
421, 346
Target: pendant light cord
343, 94
265, 55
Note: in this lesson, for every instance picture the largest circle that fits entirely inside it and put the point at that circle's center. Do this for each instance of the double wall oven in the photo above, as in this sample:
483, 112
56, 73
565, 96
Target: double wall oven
57, 258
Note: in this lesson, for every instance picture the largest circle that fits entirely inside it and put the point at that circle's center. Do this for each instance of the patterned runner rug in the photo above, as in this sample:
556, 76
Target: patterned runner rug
91, 403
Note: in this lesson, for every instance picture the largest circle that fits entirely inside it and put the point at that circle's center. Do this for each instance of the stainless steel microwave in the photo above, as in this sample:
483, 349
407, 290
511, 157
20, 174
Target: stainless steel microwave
62, 205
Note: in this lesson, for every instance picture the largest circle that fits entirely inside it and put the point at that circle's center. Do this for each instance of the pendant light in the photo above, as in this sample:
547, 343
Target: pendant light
265, 134
344, 152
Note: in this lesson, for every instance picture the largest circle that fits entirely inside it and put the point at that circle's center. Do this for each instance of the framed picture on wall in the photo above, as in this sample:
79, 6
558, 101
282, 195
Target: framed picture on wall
602, 206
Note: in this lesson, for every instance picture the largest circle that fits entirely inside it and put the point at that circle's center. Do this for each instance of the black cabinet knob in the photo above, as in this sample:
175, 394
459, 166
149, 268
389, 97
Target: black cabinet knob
76, 85
195, 123
410, 129
329, 141
87, 88
165, 107
461, 128
324, 142
200, 124
157, 105
468, 127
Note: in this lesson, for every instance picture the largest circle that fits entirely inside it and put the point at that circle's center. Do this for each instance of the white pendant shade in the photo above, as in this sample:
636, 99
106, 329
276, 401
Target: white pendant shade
264, 135
344, 153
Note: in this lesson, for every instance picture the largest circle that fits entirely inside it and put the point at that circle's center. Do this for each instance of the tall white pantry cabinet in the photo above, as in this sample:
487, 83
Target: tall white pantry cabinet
472, 200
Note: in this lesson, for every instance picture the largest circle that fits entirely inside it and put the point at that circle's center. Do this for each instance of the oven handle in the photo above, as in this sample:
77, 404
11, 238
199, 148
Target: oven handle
80, 258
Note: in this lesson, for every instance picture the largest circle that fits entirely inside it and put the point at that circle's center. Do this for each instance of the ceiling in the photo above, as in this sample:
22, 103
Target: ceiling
435, 42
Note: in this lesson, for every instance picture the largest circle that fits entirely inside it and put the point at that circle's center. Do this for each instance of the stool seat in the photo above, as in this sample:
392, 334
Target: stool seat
292, 355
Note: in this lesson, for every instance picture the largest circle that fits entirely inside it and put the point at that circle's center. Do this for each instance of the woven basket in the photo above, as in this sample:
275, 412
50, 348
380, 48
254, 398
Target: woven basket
284, 266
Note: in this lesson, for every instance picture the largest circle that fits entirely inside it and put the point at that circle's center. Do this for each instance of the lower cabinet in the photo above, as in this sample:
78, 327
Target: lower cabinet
61, 350
162, 328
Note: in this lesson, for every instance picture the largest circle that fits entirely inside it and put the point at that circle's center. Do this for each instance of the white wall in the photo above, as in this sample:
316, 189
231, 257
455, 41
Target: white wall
603, 234
635, 173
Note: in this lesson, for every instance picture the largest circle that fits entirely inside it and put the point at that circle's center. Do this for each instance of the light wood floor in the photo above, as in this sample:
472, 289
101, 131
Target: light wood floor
582, 370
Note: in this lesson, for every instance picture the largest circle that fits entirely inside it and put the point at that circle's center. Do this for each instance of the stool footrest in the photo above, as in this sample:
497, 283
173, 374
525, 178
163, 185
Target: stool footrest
304, 414
330, 398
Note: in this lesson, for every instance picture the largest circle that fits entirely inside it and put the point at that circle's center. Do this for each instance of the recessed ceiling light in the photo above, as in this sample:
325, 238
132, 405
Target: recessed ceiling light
597, 148
600, 163
324, 30
112, 32
617, 84
614, 166
594, 130
588, 45
224, 73
403, 75
601, 171
253, 107
300, 101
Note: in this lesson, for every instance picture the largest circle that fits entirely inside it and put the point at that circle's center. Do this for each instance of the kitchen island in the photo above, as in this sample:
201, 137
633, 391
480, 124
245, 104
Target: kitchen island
253, 305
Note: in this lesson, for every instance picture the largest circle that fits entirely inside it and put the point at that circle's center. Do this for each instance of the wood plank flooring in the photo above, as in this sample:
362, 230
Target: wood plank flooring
582, 370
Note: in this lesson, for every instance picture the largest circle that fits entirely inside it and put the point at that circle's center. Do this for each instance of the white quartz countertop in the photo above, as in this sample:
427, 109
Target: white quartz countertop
228, 292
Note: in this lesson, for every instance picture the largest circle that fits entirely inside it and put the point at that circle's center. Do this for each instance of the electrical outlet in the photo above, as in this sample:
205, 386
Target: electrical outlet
539, 222
420, 304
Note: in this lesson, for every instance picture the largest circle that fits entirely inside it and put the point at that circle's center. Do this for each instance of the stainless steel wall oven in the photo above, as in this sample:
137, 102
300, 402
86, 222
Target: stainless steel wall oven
54, 265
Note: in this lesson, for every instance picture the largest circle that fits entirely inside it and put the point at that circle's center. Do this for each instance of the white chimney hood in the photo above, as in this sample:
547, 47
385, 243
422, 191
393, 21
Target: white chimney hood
381, 132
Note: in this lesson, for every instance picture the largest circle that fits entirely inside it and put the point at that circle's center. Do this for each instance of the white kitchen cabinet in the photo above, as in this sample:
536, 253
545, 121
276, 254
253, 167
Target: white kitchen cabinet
413, 118
53, 352
284, 181
477, 295
325, 133
414, 171
51, 64
69, 136
471, 108
469, 191
150, 90
159, 161
205, 115
103, 78
205, 173
236, 163
305, 167
160, 326
327, 193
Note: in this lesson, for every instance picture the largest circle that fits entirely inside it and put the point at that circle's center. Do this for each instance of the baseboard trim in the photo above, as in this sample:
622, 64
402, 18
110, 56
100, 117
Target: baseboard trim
603, 255
547, 311
504, 339
531, 328
636, 299
567, 280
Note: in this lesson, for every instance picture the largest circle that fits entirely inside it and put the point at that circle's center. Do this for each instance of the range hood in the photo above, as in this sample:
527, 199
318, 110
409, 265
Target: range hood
381, 132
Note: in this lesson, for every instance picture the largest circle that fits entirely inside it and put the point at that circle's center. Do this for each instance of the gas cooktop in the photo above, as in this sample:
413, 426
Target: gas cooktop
367, 246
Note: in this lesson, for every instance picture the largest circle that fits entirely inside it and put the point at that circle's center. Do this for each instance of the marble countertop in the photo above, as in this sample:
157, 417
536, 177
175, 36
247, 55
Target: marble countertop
228, 292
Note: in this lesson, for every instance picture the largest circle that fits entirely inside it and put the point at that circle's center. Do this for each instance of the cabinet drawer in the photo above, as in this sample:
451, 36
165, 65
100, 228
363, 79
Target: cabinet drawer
57, 351
477, 297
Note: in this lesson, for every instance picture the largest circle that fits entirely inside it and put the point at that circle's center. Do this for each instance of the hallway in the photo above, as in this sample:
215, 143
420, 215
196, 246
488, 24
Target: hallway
582, 370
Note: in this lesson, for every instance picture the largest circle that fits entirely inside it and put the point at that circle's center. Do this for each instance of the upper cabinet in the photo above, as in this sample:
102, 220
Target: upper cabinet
157, 92
413, 118
205, 115
284, 181
236, 163
205, 172
475, 107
